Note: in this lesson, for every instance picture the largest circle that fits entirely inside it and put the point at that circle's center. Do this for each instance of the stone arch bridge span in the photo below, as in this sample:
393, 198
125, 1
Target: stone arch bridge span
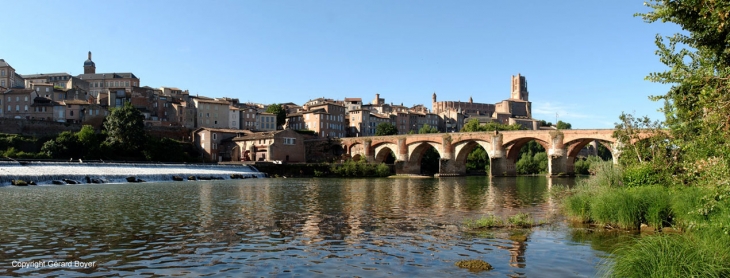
503, 148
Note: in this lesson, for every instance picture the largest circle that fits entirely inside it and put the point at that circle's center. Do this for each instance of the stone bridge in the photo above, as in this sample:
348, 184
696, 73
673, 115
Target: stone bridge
503, 148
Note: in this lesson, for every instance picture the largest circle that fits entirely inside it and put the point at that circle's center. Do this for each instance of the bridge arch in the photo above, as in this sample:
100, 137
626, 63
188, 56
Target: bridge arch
416, 153
356, 148
517, 144
574, 146
384, 150
464, 148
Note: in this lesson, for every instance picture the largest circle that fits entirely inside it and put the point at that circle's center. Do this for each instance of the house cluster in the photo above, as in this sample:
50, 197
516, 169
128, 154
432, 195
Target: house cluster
227, 129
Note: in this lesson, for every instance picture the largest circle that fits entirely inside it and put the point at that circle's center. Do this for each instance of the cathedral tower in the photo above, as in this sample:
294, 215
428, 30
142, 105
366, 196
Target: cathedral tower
519, 88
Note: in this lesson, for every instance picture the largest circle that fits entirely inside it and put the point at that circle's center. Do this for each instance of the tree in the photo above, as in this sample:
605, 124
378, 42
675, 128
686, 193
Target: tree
563, 125
427, 129
279, 111
124, 128
66, 145
385, 129
697, 104
473, 125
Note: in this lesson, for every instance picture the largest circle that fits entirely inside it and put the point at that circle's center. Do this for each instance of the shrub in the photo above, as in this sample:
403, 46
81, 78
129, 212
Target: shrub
382, 170
641, 174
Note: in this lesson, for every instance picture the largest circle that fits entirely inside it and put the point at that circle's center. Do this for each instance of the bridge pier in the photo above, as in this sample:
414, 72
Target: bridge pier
559, 164
451, 168
502, 167
407, 168
369, 155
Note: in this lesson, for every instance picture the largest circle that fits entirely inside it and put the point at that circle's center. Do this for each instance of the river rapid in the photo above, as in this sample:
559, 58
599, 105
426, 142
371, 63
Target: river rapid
291, 227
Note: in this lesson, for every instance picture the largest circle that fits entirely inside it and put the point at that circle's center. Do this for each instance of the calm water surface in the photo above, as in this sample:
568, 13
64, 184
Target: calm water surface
289, 227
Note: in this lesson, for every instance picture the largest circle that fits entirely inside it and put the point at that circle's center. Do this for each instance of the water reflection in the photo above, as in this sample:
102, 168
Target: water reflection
373, 227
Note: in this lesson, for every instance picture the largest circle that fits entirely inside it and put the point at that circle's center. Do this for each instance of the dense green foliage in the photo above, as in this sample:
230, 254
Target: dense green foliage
359, 169
19, 146
124, 129
427, 129
279, 111
675, 172
383, 129
478, 160
474, 126
563, 125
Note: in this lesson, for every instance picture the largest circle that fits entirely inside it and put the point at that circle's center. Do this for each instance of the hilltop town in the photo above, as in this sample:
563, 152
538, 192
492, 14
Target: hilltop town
88, 98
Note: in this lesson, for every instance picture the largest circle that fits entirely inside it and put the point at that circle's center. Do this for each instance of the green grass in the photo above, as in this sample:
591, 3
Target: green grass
673, 256
702, 213
489, 221
522, 220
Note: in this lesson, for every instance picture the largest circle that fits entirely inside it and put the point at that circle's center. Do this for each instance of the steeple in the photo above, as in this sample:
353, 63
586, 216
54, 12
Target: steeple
471, 100
434, 97
89, 66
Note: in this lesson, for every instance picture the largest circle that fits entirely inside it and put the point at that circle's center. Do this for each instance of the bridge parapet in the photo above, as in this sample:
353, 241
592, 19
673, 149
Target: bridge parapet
502, 147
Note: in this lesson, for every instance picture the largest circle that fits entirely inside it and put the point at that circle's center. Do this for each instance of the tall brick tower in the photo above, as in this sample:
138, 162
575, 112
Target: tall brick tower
519, 88
89, 66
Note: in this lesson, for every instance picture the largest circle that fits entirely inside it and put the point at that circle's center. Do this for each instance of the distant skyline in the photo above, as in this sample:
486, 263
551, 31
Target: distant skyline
584, 60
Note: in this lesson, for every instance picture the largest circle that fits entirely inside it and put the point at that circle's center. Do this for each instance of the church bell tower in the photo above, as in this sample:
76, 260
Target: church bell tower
519, 88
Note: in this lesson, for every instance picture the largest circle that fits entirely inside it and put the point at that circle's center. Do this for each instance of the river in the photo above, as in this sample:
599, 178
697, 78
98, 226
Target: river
285, 227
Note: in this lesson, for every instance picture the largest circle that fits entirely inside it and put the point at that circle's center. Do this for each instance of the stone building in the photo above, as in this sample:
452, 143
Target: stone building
212, 113
515, 110
363, 122
9, 78
265, 121
326, 117
209, 142
282, 145
18, 103
99, 82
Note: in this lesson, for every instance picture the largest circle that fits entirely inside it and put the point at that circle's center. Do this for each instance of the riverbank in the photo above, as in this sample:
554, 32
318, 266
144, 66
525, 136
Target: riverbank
702, 214
47, 172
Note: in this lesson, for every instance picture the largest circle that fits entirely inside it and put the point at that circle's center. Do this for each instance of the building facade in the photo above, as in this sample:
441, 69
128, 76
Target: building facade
283, 145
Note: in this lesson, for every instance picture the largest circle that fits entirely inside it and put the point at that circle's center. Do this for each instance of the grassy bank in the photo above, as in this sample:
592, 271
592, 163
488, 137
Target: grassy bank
614, 199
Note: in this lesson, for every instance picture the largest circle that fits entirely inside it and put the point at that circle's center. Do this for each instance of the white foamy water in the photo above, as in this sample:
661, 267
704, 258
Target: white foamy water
46, 172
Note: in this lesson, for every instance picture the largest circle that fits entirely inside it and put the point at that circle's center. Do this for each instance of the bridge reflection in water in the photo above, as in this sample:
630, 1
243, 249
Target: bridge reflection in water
270, 227
503, 148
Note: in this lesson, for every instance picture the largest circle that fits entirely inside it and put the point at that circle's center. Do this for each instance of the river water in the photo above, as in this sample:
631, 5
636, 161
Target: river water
290, 227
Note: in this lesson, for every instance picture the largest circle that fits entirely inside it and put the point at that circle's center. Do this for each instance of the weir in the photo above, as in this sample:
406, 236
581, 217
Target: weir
46, 172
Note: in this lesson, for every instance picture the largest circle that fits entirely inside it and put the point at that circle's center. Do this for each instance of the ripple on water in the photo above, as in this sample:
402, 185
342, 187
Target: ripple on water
361, 227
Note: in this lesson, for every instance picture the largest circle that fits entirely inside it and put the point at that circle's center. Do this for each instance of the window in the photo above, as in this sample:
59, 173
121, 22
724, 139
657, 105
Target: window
17, 98
25, 98
17, 108
71, 113
215, 122
26, 108
289, 141
2, 83
2, 73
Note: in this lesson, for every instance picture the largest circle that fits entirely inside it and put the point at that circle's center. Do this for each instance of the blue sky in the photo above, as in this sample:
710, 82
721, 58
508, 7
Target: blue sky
584, 60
